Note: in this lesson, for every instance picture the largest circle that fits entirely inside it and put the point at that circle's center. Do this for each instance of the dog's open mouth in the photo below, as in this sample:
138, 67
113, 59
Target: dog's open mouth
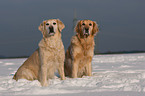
51, 31
86, 33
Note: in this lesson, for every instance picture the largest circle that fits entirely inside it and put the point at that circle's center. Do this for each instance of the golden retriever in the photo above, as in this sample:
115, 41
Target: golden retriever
48, 58
81, 50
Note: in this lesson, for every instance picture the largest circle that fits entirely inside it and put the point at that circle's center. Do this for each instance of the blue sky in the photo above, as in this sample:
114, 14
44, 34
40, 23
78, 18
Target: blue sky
122, 23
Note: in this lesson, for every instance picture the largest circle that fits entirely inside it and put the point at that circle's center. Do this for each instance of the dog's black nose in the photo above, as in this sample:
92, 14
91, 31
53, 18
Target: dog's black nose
51, 29
87, 30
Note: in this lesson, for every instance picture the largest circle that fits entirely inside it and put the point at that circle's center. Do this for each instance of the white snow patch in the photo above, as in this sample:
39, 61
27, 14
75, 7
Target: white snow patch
113, 86
1, 62
124, 66
134, 81
6, 64
111, 73
10, 68
143, 75
144, 89
129, 71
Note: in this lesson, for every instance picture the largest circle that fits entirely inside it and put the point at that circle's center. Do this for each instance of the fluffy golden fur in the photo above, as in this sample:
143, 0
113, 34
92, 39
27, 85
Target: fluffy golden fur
48, 58
81, 50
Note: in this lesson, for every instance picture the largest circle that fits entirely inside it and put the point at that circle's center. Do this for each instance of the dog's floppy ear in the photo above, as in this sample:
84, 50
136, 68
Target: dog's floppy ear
60, 25
78, 26
95, 28
42, 26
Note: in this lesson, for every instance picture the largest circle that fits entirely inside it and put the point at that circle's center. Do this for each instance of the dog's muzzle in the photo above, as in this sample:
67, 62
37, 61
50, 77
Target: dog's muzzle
51, 31
86, 32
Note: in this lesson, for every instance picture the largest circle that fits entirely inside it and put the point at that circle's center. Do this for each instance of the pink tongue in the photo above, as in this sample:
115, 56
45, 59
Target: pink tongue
86, 34
51, 33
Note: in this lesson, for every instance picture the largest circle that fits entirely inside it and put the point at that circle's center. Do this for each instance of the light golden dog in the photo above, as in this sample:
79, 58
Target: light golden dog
80, 53
48, 58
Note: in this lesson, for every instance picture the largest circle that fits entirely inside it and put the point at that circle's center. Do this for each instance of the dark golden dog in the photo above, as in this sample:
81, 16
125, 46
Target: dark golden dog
80, 53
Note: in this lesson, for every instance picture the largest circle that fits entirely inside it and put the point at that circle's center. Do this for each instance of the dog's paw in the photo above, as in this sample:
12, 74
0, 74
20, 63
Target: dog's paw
63, 78
44, 84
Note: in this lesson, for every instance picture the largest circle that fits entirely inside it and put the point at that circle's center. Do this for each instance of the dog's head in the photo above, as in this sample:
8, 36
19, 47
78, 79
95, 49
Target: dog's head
86, 28
51, 27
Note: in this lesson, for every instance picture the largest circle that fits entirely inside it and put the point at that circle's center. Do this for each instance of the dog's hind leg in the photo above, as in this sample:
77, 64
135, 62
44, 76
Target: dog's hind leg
25, 74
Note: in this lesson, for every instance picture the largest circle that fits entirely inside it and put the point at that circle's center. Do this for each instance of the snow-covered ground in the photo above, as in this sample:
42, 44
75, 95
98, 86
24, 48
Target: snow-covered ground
113, 75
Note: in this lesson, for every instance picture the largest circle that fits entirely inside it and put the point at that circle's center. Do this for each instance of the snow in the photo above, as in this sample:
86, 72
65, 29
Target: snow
113, 75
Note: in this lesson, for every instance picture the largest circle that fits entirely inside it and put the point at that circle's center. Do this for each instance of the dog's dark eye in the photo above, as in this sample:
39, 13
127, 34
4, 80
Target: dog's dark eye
47, 23
54, 23
83, 24
90, 24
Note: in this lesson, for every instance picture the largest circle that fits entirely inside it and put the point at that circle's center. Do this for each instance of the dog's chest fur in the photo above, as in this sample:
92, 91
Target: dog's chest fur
53, 49
83, 49
85, 46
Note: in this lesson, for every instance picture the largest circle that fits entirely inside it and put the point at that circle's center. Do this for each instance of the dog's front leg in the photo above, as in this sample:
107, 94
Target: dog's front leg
75, 68
43, 75
61, 72
89, 67
43, 69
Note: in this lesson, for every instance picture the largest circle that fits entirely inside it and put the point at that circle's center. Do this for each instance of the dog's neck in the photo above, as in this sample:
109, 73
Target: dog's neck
86, 42
56, 36
52, 41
